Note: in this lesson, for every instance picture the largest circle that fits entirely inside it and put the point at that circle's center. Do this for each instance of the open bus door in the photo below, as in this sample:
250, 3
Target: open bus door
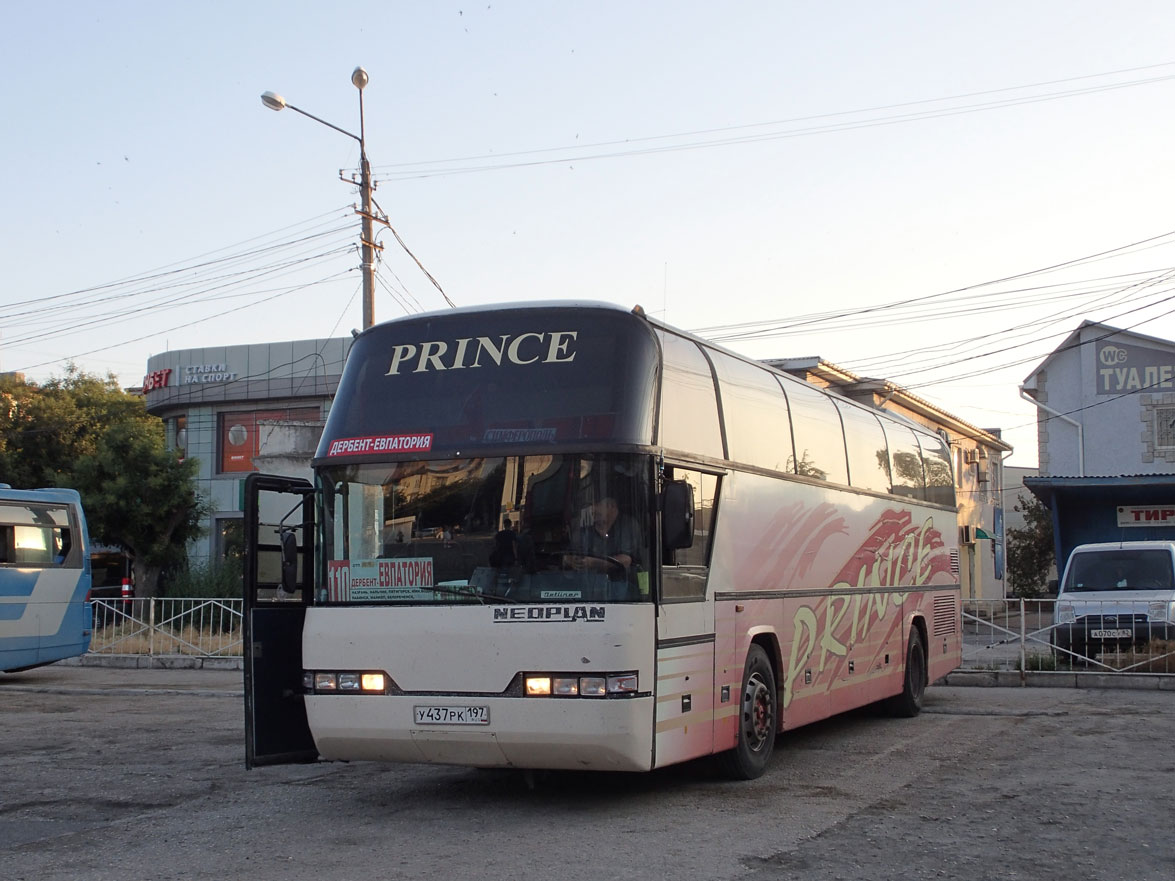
279, 583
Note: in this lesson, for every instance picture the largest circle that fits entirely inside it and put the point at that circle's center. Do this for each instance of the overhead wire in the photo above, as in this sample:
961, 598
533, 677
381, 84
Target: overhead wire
154, 333
151, 276
1003, 306
1042, 417
400, 297
169, 277
1025, 360
201, 295
716, 332
493, 162
909, 361
918, 361
213, 277
384, 220
343, 312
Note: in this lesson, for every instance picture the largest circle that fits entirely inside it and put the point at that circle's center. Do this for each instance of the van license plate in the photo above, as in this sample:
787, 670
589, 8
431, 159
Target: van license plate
452, 715
1111, 634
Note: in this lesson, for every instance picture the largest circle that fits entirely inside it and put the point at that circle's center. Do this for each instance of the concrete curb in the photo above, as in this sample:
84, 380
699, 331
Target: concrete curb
157, 662
1013, 679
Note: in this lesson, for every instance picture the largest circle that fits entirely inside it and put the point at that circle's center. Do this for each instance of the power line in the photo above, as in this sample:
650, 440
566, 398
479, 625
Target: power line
170, 269
200, 296
495, 162
193, 323
910, 362
383, 220
716, 332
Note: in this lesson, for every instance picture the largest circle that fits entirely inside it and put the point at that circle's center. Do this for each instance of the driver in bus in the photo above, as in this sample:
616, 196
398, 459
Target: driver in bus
609, 541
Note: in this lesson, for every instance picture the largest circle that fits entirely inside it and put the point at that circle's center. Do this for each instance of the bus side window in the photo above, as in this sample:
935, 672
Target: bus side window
909, 479
684, 571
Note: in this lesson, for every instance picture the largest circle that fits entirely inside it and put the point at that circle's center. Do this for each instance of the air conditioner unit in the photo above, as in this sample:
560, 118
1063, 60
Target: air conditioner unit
966, 535
983, 472
970, 457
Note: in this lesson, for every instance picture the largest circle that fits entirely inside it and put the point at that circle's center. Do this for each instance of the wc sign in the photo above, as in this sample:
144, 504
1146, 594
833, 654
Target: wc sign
1146, 515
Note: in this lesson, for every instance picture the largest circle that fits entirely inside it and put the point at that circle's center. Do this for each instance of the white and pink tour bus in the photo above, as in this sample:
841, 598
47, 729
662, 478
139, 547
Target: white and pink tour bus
570, 536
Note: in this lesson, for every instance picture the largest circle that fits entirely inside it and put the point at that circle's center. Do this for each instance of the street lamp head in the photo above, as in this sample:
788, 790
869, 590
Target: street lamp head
273, 101
359, 78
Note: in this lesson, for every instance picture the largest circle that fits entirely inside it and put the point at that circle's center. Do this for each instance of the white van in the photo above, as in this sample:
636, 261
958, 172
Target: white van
1114, 595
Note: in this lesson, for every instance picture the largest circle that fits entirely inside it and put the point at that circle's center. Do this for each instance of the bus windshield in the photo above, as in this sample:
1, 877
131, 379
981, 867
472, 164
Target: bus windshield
531, 529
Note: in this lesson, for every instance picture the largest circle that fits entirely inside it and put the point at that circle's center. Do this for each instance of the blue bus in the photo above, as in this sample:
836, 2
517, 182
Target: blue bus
45, 613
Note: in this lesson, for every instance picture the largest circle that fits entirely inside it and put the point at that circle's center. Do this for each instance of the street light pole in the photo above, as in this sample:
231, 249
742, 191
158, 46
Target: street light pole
366, 235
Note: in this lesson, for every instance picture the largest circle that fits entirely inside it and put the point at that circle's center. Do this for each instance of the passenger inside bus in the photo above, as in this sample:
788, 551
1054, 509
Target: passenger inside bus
505, 552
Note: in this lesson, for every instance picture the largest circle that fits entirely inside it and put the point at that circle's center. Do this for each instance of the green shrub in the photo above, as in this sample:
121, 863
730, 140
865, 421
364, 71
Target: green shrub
222, 579
1039, 662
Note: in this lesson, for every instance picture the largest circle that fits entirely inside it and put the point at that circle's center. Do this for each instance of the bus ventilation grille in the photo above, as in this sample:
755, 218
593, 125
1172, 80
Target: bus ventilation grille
946, 619
955, 562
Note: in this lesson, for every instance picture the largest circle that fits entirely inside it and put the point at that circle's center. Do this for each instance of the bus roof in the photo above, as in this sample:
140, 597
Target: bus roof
55, 493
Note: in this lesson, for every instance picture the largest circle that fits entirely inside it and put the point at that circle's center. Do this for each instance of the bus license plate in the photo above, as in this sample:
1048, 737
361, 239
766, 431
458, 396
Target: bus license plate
452, 715
1111, 634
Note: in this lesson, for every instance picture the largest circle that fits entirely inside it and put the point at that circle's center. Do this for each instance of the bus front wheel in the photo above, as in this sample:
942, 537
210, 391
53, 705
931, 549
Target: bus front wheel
758, 719
909, 703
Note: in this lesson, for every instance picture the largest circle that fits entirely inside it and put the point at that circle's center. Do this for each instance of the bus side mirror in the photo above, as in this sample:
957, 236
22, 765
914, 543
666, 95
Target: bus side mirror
677, 515
289, 561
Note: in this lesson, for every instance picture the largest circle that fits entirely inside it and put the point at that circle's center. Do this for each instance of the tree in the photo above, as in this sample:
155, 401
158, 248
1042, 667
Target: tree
1030, 549
45, 429
84, 432
139, 496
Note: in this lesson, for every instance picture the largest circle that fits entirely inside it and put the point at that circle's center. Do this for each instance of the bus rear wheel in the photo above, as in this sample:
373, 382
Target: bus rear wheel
758, 719
909, 703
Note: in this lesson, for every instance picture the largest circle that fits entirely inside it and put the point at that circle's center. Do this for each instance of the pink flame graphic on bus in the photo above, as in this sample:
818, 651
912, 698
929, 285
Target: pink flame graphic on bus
896, 552
790, 546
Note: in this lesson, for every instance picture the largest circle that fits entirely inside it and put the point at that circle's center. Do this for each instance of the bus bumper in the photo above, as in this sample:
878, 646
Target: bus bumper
551, 733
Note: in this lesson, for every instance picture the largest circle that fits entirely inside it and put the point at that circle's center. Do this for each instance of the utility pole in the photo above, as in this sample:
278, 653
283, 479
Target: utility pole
366, 235
367, 243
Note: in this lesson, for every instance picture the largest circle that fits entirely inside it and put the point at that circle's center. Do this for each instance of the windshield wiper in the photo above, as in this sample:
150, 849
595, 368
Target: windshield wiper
481, 597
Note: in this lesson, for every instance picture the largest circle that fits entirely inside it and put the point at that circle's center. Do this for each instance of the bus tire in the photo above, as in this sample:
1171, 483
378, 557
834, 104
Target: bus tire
758, 719
909, 703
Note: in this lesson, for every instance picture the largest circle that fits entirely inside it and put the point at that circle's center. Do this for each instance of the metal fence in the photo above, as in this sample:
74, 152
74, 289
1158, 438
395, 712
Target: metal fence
167, 626
1014, 634
1089, 636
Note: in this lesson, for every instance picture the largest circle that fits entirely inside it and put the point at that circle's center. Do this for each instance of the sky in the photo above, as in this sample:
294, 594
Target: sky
932, 193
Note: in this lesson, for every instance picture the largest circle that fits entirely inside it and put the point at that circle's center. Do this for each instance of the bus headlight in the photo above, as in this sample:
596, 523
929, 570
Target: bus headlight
565, 686
373, 682
1065, 614
593, 686
612, 685
326, 682
344, 682
623, 683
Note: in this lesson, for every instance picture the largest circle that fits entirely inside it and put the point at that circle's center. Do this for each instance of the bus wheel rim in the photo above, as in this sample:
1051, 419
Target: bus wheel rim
758, 714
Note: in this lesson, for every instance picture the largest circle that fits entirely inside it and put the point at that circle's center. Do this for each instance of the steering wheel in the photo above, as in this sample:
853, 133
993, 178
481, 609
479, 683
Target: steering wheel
612, 562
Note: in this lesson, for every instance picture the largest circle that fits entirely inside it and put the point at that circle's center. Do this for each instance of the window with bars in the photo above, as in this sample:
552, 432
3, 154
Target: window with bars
1165, 428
